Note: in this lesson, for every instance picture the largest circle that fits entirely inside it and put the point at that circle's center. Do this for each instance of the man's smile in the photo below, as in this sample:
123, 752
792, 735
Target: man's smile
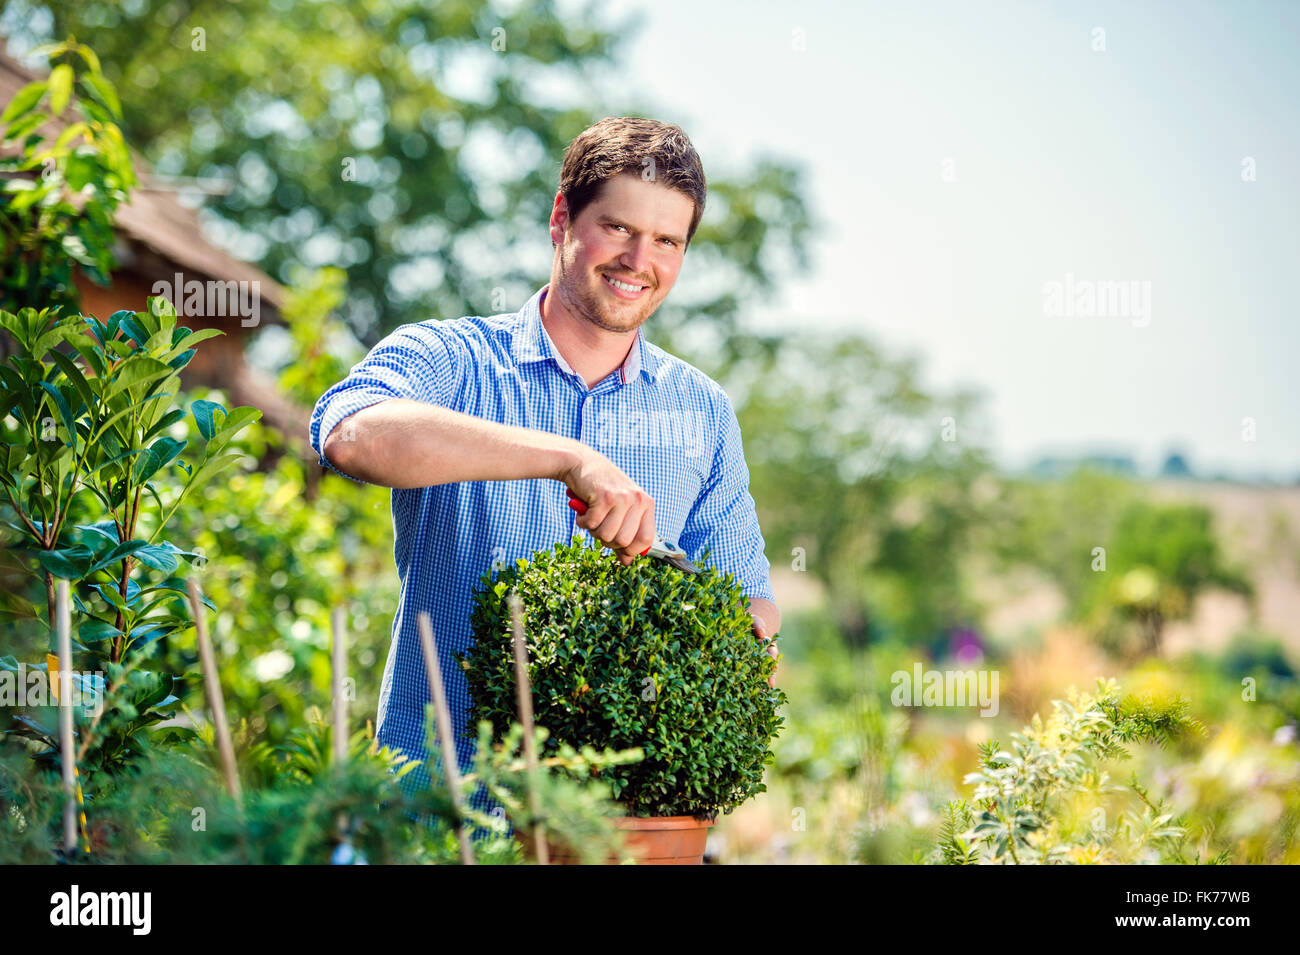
625, 290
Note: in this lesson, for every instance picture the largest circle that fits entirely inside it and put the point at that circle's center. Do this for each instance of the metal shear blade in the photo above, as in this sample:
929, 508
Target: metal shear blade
672, 554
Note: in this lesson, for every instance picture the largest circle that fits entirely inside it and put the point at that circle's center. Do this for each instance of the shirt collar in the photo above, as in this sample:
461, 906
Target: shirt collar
532, 343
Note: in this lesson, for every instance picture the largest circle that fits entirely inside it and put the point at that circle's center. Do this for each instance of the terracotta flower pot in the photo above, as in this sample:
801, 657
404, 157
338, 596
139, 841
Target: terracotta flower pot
657, 840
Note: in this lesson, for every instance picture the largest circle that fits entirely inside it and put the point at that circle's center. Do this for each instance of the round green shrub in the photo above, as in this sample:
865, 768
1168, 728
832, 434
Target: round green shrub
638, 656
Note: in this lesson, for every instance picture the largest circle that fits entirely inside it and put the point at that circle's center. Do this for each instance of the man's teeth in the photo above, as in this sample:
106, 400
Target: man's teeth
623, 285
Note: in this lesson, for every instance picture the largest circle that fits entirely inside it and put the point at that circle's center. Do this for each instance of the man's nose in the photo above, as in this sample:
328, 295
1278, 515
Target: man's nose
636, 259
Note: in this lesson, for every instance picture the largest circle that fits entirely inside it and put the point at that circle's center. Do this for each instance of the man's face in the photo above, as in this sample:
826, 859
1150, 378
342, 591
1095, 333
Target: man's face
634, 232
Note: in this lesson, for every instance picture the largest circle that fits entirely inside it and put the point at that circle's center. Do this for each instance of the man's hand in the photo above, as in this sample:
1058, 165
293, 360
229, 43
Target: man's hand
767, 621
620, 514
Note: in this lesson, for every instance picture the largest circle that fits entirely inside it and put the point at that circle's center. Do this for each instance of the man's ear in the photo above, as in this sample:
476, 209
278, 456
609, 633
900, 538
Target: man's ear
560, 209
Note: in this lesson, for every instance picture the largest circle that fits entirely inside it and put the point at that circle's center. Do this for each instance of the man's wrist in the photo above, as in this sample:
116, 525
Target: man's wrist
568, 457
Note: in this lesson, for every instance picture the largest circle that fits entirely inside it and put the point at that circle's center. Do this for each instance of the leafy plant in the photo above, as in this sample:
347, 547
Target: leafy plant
285, 544
57, 200
88, 440
302, 807
1049, 798
573, 802
643, 656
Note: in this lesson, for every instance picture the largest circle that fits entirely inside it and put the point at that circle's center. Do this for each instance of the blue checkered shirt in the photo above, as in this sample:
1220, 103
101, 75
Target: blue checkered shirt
670, 427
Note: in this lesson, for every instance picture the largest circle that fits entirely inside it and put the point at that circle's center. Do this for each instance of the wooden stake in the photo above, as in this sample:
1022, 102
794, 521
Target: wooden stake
524, 692
338, 674
446, 736
64, 622
213, 685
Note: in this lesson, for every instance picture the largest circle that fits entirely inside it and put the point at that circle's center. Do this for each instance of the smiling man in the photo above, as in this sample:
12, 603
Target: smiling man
480, 424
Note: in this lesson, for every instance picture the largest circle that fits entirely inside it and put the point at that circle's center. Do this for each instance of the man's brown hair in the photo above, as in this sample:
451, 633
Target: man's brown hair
658, 152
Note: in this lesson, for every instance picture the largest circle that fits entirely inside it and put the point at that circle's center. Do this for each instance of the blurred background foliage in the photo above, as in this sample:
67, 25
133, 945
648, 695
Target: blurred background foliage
415, 145
893, 538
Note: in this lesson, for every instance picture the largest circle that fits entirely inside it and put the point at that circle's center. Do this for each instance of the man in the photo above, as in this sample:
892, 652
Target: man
480, 424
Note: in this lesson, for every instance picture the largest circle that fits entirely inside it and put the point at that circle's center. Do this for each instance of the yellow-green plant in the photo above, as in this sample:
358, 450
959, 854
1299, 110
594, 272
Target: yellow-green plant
1049, 798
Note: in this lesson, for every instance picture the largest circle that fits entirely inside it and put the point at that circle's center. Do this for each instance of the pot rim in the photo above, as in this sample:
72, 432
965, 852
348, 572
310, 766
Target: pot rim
660, 823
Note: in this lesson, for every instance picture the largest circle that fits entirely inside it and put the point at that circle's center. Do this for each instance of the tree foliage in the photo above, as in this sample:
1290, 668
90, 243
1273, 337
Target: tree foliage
866, 481
350, 135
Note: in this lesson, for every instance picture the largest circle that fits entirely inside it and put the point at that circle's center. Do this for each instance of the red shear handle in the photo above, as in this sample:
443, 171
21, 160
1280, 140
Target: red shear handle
579, 505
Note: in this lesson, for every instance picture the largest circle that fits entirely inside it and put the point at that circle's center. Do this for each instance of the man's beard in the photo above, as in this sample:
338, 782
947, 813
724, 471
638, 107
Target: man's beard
587, 304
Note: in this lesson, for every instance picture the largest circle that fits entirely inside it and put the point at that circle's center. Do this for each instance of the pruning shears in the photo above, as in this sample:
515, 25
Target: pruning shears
664, 550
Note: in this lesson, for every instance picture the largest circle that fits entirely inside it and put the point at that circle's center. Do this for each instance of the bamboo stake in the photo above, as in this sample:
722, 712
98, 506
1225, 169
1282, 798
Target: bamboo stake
64, 622
213, 685
339, 672
524, 691
446, 738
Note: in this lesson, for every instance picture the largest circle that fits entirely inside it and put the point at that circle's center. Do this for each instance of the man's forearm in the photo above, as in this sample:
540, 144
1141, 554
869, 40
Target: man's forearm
402, 443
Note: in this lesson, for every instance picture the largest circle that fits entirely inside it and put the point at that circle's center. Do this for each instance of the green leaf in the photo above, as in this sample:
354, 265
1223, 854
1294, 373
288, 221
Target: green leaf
238, 419
64, 411
160, 307
110, 594
203, 416
159, 556
134, 331
69, 563
24, 100
106, 529
97, 327
74, 375
193, 338
179, 586
95, 630
60, 88
102, 90
120, 552
136, 370
166, 421
159, 454
28, 198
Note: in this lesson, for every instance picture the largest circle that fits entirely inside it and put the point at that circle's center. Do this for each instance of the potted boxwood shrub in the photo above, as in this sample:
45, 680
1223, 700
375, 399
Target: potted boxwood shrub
639, 656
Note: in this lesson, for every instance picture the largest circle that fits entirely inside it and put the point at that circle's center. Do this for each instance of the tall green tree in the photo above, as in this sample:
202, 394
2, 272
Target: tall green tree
1163, 556
1125, 565
866, 481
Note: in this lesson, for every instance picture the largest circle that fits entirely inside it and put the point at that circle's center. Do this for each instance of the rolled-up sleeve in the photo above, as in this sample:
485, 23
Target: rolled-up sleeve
419, 361
724, 519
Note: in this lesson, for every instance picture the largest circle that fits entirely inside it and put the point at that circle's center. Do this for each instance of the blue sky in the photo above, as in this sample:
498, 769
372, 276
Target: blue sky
1116, 165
